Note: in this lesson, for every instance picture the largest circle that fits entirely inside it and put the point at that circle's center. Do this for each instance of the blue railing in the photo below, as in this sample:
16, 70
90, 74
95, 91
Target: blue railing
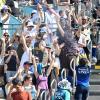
13, 24
27, 10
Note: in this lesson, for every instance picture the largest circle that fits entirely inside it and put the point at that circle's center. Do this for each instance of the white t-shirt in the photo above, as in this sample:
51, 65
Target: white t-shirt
1, 60
82, 40
16, 4
32, 32
5, 27
37, 19
51, 21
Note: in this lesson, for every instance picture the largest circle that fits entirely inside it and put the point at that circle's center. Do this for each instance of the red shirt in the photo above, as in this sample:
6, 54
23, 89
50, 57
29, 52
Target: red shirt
20, 95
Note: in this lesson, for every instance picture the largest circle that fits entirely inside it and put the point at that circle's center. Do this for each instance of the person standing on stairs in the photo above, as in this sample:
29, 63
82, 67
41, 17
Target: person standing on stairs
83, 78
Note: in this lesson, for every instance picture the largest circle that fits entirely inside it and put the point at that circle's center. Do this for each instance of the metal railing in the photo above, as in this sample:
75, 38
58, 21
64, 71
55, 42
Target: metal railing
72, 67
63, 74
10, 28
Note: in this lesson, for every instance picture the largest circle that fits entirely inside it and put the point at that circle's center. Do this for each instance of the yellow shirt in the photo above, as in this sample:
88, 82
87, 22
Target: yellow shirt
2, 2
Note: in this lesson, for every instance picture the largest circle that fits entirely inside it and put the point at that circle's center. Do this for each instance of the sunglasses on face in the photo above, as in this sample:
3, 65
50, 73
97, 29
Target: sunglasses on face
31, 26
6, 35
28, 37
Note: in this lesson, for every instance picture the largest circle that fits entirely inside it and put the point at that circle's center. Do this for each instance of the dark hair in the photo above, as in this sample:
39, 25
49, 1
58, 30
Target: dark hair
60, 12
27, 77
83, 61
16, 82
5, 33
42, 25
17, 37
9, 48
94, 27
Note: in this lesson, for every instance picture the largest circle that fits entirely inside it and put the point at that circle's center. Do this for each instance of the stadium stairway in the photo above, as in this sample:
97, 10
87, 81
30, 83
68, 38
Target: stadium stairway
95, 85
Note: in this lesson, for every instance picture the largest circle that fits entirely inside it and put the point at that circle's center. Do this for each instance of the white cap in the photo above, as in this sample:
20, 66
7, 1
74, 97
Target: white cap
85, 17
30, 24
5, 7
34, 12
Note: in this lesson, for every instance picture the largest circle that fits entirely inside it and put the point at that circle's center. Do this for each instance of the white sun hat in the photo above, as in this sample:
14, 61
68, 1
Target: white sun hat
30, 23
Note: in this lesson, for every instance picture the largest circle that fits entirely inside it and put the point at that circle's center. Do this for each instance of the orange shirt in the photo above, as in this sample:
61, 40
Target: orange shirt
20, 95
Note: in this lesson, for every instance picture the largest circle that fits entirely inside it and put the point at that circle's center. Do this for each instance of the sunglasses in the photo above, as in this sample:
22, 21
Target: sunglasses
6, 35
31, 26
28, 36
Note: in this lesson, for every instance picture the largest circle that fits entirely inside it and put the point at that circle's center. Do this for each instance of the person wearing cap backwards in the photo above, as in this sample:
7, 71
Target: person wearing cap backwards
17, 91
23, 71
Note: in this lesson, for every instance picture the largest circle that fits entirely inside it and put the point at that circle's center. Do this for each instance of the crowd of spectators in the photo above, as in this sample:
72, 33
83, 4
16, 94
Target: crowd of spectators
46, 43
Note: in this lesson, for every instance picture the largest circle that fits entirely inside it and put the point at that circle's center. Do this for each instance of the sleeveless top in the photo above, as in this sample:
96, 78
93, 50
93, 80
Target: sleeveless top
42, 82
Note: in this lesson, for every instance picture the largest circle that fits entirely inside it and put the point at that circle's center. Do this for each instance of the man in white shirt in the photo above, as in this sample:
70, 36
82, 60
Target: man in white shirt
31, 31
5, 17
40, 16
51, 21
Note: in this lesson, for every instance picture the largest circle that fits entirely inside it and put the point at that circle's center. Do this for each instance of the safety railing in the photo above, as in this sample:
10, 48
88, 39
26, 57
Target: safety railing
72, 67
63, 74
53, 88
10, 28
44, 95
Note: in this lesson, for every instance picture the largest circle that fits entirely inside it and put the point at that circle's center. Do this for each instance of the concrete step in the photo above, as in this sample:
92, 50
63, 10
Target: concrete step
95, 82
95, 76
94, 93
95, 71
94, 98
94, 90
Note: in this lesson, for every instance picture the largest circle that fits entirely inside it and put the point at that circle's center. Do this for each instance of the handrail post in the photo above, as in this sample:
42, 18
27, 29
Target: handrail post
72, 66
54, 82
41, 96
63, 73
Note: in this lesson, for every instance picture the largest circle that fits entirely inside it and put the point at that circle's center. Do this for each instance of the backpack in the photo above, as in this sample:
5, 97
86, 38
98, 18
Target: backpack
63, 90
62, 94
